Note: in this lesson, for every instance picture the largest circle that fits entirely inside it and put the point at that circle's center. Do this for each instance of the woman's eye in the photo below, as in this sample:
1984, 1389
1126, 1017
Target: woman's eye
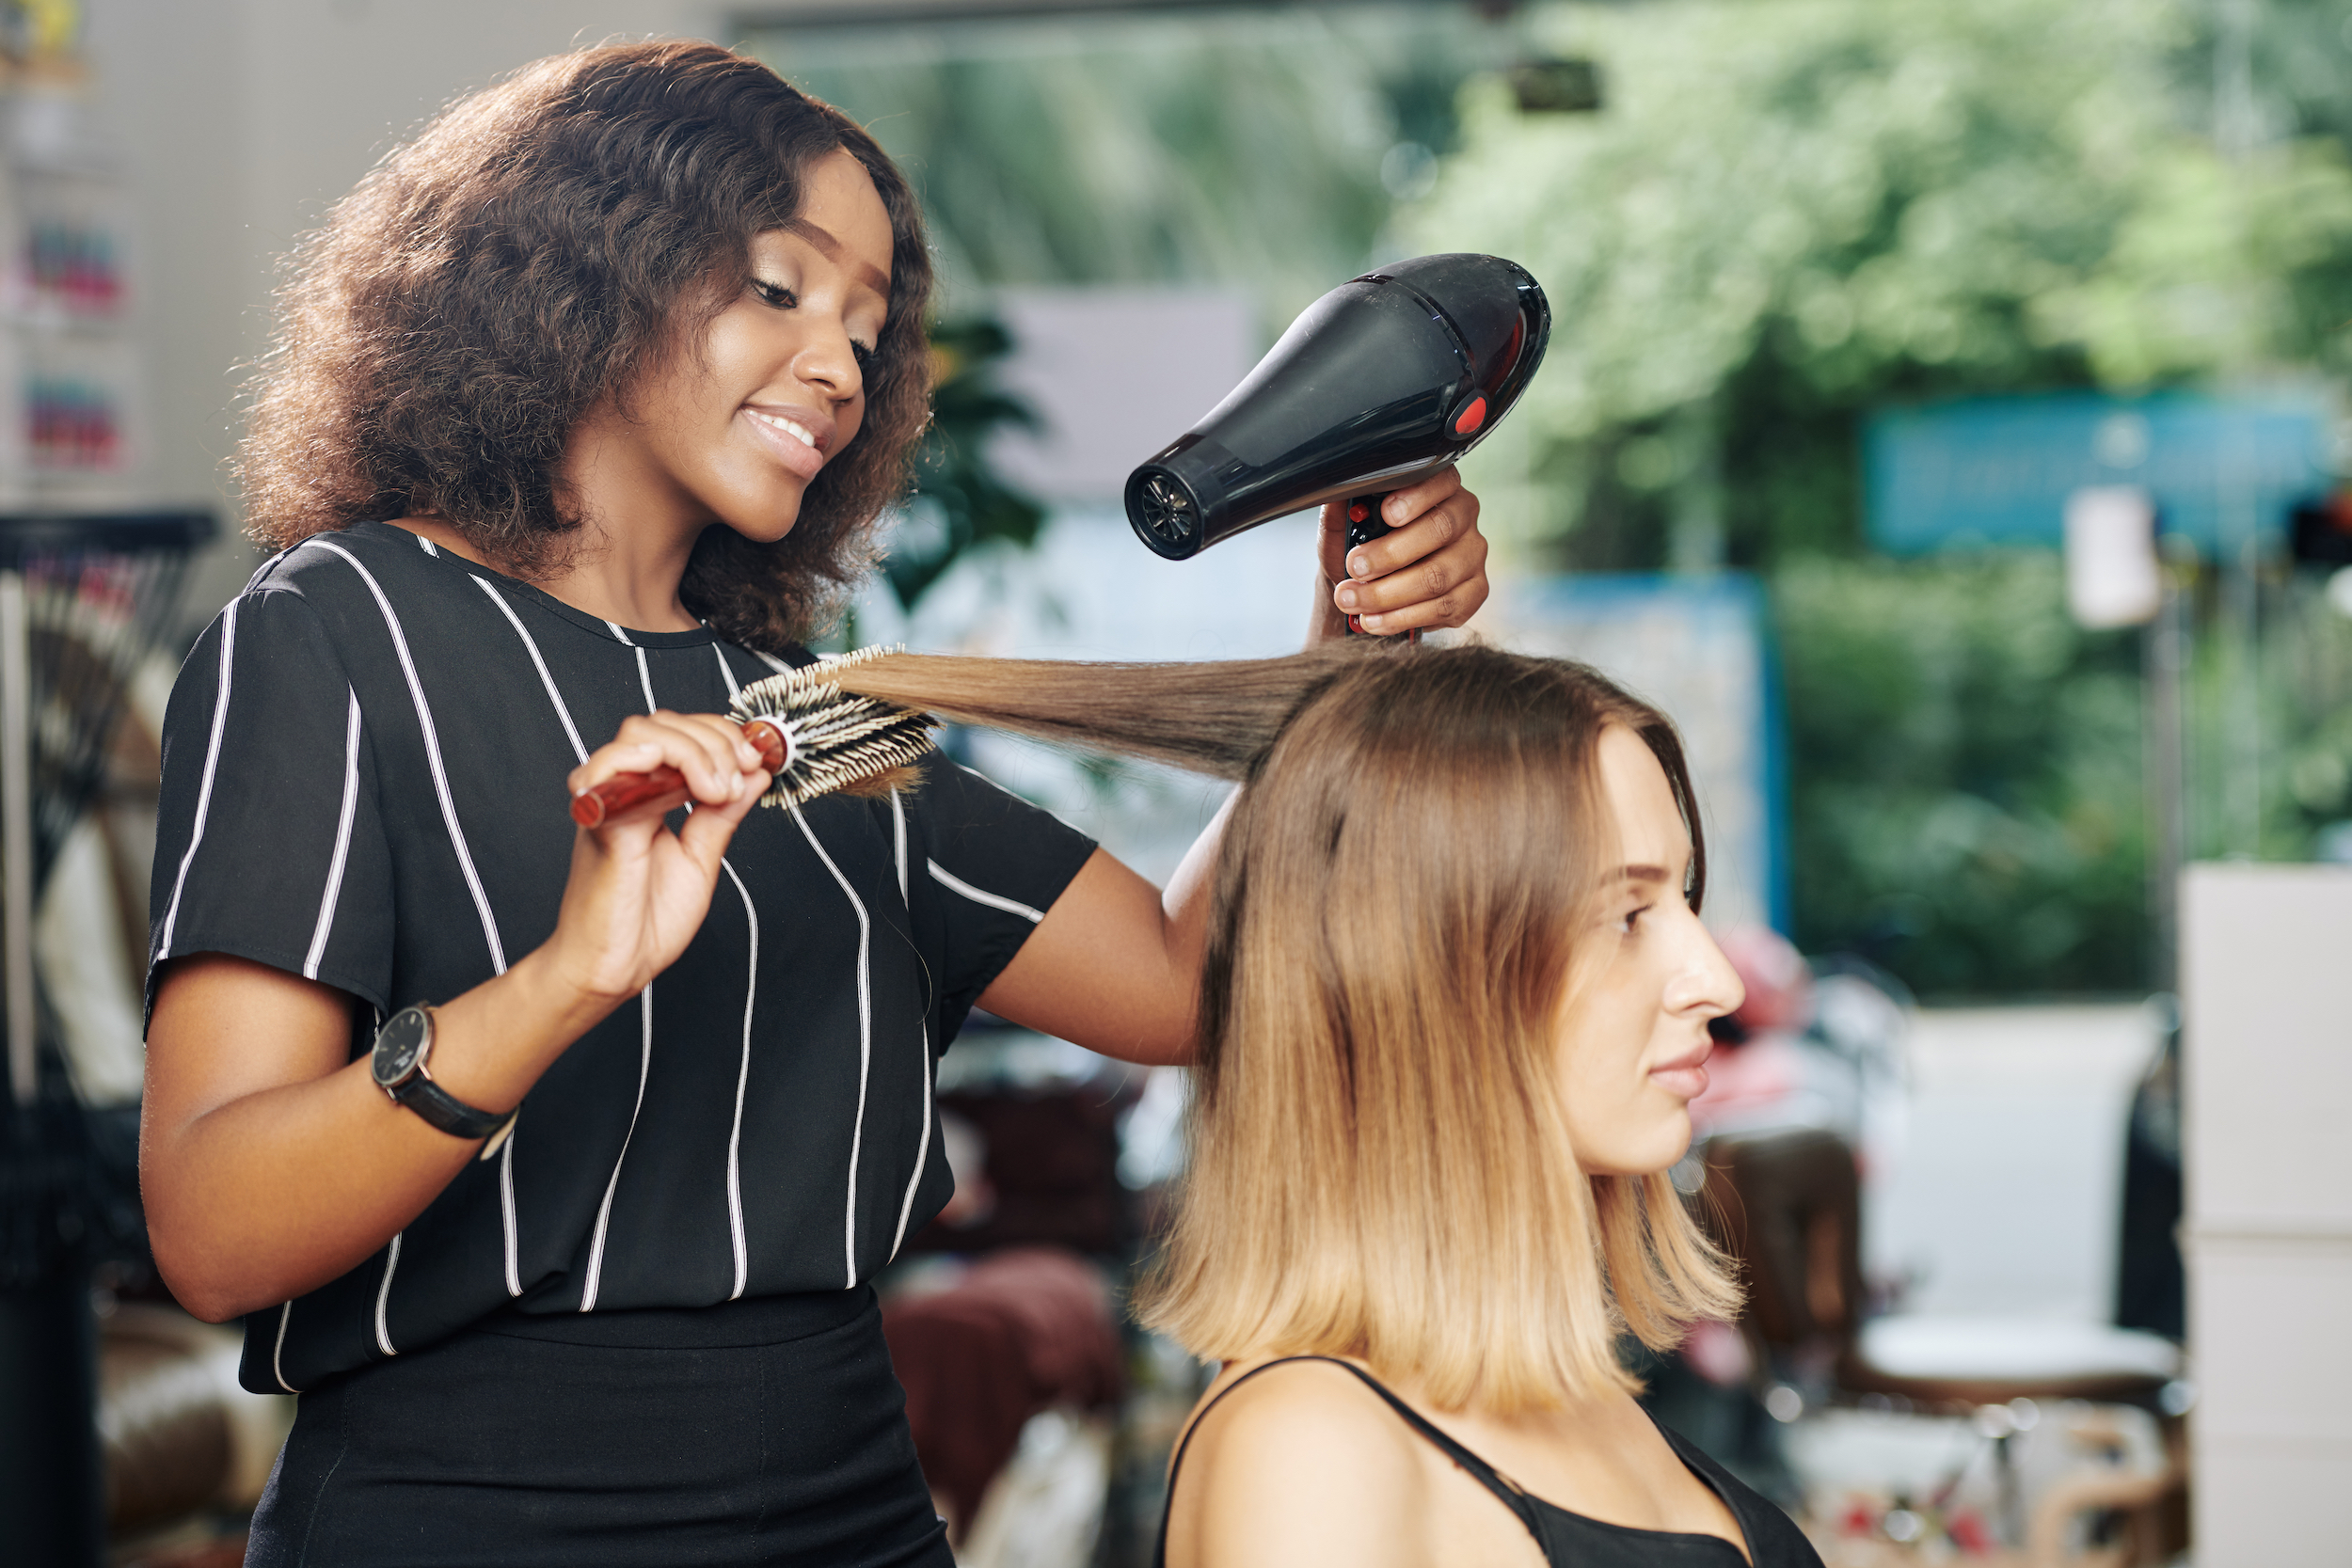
863, 354
1632, 918
775, 294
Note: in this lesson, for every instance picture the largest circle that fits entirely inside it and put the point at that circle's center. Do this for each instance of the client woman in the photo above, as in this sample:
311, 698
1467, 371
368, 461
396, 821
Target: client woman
1454, 1008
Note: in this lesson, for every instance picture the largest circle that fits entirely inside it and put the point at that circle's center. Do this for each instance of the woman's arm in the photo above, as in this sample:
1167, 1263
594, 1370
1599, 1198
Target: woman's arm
269, 1161
1115, 963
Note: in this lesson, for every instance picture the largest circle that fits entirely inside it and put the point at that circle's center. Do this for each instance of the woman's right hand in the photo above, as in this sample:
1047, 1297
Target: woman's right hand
270, 1160
638, 891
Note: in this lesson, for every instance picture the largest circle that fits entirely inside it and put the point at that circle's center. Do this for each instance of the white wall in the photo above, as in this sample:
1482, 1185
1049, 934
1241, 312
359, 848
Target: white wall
1115, 374
242, 120
2267, 1048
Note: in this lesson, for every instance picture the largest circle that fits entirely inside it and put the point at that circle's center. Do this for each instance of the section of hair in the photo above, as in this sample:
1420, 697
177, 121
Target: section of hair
538, 246
1381, 1165
1217, 719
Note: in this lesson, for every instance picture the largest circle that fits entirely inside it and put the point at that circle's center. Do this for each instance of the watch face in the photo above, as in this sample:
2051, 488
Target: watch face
399, 1046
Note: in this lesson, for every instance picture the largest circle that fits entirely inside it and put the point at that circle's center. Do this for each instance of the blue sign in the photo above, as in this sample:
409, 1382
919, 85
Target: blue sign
1998, 470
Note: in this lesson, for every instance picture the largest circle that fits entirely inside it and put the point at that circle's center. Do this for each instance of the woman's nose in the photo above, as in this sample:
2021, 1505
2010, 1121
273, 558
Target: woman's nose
1706, 984
829, 365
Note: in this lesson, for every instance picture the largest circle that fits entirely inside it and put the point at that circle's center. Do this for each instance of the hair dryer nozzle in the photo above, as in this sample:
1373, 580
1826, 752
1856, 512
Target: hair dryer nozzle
1382, 381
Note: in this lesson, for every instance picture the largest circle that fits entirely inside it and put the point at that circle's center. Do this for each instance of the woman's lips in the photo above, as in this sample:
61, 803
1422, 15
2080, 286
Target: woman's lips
797, 439
1685, 1077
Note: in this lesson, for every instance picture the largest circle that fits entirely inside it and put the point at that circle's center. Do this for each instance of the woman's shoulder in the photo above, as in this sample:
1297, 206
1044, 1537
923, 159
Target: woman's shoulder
362, 566
1296, 1460
369, 580
343, 609
1302, 1396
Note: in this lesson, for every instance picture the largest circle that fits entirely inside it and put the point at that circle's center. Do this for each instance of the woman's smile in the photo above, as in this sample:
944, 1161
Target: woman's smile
799, 437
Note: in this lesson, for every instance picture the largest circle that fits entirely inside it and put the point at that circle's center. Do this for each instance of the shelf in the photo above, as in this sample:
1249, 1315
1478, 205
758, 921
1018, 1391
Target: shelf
26, 532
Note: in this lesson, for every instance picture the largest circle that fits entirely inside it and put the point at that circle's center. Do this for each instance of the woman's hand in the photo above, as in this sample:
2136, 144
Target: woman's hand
638, 891
1115, 966
1431, 571
271, 1161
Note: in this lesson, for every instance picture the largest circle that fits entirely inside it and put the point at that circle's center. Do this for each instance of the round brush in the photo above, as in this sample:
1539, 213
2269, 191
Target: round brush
813, 737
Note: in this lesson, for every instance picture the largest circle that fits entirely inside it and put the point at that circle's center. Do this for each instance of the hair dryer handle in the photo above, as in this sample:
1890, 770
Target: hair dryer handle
1363, 527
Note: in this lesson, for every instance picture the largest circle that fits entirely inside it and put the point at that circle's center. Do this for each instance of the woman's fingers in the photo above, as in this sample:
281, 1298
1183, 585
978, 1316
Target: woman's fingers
1422, 518
1430, 571
1444, 589
708, 831
718, 764
1398, 511
636, 895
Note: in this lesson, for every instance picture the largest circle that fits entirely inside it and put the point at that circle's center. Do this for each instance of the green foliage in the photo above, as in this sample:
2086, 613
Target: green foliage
1794, 211
2302, 768
2300, 55
959, 501
1968, 800
1149, 148
1791, 213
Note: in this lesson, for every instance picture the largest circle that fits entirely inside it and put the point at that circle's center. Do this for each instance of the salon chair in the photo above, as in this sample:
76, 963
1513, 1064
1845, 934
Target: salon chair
1012, 1358
1787, 1206
181, 1440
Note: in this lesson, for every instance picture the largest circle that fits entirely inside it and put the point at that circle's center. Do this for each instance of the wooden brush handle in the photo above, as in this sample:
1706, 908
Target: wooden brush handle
623, 791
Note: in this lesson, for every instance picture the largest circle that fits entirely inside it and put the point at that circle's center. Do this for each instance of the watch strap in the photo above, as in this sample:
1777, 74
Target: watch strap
447, 1112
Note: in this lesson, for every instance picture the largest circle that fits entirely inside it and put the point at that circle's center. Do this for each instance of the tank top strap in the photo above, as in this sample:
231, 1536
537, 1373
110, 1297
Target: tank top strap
1478, 1469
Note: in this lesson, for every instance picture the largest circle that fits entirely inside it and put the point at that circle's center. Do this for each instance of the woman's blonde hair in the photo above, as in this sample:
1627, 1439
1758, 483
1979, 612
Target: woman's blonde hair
1380, 1159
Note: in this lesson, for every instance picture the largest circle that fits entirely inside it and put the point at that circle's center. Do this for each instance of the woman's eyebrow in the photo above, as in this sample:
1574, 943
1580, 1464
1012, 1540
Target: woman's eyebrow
1641, 873
831, 249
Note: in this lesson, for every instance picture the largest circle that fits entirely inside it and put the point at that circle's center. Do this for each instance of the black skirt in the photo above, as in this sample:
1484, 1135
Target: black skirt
760, 1431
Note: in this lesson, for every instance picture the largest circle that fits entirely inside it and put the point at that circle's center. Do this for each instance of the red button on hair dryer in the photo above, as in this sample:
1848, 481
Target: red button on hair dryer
1381, 381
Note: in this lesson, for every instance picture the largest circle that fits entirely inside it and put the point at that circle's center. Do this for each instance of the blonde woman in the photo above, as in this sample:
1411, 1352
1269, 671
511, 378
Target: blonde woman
1453, 1010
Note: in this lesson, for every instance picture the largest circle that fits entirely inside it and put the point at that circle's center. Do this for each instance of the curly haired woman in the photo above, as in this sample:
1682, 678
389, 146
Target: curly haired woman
550, 1167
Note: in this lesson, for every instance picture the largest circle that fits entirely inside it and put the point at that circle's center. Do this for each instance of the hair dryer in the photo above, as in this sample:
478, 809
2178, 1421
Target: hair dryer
1379, 383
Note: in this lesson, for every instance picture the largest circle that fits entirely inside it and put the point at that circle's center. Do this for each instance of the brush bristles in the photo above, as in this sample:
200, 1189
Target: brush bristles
856, 745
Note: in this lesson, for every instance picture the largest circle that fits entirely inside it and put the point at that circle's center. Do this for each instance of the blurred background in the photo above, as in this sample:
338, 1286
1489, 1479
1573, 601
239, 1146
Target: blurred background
1945, 419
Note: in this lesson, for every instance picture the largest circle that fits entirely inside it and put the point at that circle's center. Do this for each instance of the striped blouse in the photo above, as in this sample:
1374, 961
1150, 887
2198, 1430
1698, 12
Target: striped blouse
363, 785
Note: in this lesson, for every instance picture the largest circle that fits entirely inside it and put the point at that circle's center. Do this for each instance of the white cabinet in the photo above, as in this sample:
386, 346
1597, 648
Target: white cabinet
2266, 984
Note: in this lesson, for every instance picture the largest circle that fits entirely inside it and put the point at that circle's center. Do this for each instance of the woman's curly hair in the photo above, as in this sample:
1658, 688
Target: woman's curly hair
540, 245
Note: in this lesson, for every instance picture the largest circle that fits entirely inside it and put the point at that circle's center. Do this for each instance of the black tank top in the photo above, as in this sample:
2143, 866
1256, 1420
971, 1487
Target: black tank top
1570, 1540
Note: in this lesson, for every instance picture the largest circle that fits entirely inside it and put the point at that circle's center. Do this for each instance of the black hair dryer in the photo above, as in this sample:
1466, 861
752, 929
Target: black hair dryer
1381, 381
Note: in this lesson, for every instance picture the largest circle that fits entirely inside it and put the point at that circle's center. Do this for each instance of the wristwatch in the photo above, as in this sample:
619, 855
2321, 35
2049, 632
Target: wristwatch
398, 1065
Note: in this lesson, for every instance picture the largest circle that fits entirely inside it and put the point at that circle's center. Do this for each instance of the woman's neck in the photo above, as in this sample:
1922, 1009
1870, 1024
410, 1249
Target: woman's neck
637, 530
621, 580
630, 579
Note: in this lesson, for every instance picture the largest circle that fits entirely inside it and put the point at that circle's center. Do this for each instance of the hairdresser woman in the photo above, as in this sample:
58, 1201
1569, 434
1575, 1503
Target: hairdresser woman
549, 1166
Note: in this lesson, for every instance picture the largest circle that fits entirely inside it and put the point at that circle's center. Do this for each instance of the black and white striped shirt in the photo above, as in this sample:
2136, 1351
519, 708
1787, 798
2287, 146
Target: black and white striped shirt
363, 785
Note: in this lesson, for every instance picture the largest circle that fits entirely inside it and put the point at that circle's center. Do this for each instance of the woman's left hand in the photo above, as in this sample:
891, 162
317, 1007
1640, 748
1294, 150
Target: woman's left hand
1429, 571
